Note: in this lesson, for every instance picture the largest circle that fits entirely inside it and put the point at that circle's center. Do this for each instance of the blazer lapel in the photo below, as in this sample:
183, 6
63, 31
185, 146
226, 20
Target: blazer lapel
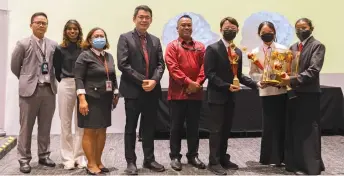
223, 51
137, 41
35, 48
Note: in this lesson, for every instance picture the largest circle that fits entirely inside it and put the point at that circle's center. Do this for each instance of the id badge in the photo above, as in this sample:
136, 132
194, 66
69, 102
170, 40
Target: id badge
108, 85
44, 68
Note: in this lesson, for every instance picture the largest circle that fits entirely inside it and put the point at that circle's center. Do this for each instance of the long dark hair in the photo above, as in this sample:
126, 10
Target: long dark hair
66, 40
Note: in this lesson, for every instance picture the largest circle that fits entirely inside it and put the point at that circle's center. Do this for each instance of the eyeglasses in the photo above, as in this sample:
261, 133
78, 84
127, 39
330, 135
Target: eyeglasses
40, 23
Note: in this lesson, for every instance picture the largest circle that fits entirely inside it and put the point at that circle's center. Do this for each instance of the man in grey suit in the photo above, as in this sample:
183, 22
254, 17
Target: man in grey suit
32, 65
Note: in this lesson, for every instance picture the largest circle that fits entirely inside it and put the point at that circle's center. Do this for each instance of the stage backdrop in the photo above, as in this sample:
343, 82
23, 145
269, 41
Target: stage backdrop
116, 18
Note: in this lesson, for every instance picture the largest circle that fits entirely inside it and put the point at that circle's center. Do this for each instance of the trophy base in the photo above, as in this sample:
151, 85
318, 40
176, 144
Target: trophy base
236, 82
270, 82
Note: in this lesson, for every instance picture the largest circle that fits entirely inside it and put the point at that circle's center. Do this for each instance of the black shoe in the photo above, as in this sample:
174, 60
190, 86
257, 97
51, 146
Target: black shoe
131, 169
229, 165
47, 162
25, 168
154, 166
176, 164
196, 162
217, 169
299, 173
104, 170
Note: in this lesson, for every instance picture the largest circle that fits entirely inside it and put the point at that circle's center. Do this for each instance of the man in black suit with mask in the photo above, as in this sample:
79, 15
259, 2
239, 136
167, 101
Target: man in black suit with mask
221, 96
140, 59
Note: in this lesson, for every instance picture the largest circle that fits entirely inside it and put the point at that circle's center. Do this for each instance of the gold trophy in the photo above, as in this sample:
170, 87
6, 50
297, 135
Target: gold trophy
234, 64
274, 67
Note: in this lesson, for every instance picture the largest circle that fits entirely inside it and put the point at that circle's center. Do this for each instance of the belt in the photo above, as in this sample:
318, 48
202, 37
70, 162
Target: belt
43, 84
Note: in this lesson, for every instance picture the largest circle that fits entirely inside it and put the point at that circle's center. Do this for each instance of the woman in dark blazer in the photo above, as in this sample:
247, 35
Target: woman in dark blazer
303, 145
97, 92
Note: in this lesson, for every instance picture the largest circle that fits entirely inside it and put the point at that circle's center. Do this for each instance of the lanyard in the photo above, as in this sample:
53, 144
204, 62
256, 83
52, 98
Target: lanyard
106, 67
40, 50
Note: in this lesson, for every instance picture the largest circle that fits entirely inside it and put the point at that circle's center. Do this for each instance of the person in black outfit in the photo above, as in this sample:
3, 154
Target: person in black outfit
140, 59
303, 139
64, 59
221, 96
97, 92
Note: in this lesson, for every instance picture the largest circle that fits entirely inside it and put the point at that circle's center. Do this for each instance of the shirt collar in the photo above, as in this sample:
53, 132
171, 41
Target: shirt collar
265, 47
98, 53
183, 41
304, 41
225, 42
141, 34
37, 39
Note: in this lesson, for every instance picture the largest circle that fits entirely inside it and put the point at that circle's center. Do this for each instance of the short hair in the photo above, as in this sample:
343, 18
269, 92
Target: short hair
87, 45
144, 8
184, 16
308, 21
66, 40
269, 24
229, 19
38, 14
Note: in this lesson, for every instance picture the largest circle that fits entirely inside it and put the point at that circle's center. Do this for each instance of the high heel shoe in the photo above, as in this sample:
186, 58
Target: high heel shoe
104, 169
92, 173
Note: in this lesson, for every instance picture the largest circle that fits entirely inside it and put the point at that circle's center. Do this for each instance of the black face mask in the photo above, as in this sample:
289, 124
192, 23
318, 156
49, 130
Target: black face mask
268, 37
303, 34
229, 35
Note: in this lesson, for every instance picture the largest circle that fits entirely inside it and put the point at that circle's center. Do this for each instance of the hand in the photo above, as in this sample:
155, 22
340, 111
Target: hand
193, 87
285, 80
234, 88
262, 86
115, 101
83, 107
148, 85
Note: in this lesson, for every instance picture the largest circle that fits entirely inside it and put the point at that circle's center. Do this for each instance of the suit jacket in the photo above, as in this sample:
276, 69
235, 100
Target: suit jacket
310, 64
90, 74
26, 64
218, 70
131, 63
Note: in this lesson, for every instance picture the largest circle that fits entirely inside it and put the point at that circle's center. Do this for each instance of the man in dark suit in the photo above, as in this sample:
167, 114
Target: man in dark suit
31, 63
303, 152
140, 59
221, 96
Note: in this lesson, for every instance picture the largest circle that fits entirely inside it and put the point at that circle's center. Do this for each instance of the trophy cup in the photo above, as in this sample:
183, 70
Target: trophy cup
233, 58
254, 60
289, 62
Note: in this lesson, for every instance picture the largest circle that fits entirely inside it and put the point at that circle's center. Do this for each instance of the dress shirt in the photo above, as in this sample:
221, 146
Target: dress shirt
256, 73
185, 63
41, 45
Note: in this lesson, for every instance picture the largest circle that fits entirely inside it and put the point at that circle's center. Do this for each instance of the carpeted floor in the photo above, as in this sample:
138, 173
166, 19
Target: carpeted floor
244, 152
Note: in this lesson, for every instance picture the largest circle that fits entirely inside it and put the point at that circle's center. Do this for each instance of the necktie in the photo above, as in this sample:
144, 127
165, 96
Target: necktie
145, 52
229, 52
300, 47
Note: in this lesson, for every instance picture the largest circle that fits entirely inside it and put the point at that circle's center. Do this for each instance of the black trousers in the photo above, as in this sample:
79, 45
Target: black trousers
220, 125
303, 149
273, 136
147, 106
184, 111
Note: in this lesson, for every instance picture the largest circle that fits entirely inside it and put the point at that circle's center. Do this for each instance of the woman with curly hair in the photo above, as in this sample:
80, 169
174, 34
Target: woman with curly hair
64, 59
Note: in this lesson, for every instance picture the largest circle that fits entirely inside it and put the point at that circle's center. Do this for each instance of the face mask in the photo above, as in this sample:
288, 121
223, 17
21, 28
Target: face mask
99, 43
229, 35
303, 34
268, 37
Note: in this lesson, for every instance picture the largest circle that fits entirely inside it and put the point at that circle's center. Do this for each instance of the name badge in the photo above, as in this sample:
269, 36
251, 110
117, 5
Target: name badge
108, 85
44, 68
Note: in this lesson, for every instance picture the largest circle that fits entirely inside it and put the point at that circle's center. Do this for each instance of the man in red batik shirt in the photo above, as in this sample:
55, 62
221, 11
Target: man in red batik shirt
184, 59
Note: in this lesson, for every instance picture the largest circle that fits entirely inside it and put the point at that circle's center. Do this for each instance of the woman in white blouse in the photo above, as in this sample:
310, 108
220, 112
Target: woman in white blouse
274, 101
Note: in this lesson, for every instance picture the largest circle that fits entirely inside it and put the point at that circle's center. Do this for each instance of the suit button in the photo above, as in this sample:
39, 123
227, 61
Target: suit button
95, 88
